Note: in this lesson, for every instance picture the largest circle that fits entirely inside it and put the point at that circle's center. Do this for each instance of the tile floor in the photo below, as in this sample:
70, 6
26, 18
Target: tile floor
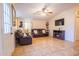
47, 46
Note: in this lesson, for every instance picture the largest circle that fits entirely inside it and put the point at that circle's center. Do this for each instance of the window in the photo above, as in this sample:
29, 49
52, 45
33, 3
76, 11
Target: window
7, 18
27, 26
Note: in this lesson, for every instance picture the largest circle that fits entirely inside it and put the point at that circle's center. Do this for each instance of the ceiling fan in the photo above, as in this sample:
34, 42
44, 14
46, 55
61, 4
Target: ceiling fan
45, 10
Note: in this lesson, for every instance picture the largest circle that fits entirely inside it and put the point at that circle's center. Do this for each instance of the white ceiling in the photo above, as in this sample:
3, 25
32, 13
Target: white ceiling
28, 9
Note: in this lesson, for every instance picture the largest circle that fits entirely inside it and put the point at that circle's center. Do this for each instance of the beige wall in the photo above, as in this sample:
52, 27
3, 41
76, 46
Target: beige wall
39, 24
69, 18
35, 24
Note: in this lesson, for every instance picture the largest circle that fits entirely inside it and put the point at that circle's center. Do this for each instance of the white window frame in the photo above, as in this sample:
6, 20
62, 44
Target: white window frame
7, 18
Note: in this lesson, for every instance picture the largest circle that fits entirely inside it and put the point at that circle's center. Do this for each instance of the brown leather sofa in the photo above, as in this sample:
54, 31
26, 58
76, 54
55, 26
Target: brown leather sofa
21, 39
39, 33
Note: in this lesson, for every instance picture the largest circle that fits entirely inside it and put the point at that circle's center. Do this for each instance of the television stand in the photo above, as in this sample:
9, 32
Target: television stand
59, 34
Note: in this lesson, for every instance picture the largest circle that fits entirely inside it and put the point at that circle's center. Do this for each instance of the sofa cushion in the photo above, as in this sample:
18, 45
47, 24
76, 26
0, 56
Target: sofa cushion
25, 34
43, 31
35, 32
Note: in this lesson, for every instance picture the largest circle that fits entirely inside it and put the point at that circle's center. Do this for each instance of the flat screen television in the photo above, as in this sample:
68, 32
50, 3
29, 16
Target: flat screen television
59, 22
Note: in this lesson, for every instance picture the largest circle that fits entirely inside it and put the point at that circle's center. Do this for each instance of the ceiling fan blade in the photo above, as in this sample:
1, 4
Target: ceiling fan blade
36, 12
50, 12
44, 8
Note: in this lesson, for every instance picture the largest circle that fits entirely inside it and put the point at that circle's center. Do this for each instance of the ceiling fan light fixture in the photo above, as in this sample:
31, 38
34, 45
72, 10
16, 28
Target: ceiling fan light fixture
48, 10
43, 14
